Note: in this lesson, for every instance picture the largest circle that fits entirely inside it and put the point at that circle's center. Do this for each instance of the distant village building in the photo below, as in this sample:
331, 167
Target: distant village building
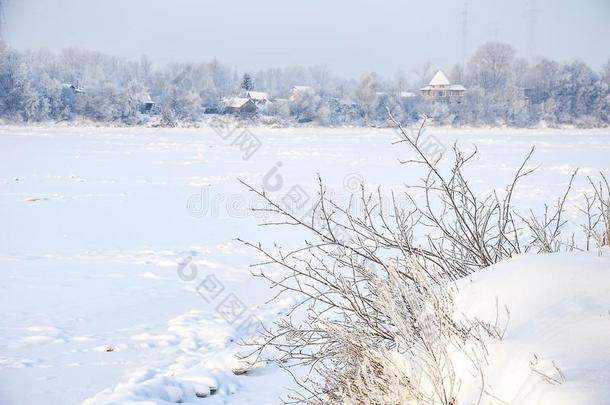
298, 92
211, 109
240, 105
74, 88
441, 90
148, 107
406, 95
259, 97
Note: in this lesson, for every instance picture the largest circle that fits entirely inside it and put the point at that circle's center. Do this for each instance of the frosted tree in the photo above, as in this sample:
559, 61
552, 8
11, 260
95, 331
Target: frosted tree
366, 93
491, 70
490, 67
179, 105
605, 73
324, 114
603, 104
220, 77
19, 98
247, 83
305, 106
280, 109
577, 92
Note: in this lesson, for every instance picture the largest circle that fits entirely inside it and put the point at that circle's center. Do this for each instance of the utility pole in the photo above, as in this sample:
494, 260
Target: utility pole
465, 34
2, 24
1, 20
531, 15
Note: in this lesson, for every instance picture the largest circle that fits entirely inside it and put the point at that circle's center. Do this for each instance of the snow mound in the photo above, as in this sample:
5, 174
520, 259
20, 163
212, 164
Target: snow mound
556, 349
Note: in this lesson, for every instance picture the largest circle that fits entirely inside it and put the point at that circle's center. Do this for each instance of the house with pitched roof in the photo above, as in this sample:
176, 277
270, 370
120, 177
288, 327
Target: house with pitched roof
441, 90
240, 105
259, 97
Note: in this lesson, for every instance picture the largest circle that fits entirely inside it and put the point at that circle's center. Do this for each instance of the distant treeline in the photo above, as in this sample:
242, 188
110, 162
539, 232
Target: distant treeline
502, 89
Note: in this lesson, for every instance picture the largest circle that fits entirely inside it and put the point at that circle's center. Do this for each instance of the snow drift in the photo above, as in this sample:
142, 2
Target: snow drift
555, 350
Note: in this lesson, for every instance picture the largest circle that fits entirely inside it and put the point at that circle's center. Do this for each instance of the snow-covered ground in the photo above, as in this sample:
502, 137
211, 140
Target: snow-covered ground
556, 348
99, 302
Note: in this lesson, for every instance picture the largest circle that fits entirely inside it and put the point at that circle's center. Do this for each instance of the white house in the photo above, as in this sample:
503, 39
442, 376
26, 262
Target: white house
441, 90
259, 97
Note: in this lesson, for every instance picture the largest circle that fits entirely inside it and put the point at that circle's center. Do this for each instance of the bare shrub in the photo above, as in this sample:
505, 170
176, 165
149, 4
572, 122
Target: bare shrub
376, 337
597, 213
546, 229
375, 322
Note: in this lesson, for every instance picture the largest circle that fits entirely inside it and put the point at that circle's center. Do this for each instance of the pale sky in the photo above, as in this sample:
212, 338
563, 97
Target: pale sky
350, 37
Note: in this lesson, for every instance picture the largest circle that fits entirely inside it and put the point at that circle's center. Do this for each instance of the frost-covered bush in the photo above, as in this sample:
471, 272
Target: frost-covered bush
374, 321
597, 213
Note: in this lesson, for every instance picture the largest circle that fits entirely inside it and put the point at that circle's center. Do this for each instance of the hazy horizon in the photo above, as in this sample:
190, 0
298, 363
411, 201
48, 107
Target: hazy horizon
349, 38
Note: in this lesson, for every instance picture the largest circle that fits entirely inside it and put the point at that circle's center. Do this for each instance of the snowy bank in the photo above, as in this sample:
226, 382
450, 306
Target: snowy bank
556, 348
